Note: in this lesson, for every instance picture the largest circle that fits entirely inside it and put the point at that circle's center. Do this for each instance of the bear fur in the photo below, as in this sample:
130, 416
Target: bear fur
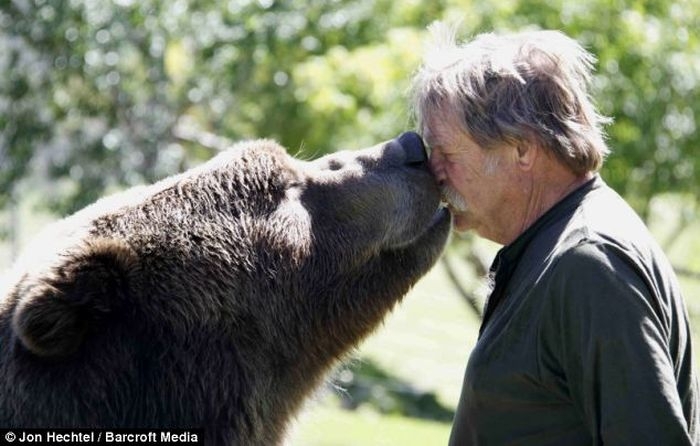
217, 298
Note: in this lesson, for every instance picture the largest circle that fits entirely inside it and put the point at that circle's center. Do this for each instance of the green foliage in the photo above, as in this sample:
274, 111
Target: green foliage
99, 94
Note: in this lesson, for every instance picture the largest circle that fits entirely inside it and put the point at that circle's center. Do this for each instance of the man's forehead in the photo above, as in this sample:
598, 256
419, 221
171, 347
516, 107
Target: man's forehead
442, 131
429, 136
436, 129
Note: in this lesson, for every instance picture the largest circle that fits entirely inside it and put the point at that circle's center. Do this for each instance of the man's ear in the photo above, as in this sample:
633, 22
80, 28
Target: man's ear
527, 153
56, 310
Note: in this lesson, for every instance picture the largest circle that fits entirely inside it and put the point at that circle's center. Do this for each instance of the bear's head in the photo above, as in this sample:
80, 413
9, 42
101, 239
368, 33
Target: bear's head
217, 298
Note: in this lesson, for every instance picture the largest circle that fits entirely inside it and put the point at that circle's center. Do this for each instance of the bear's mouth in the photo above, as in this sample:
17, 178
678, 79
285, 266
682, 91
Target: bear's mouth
439, 224
441, 213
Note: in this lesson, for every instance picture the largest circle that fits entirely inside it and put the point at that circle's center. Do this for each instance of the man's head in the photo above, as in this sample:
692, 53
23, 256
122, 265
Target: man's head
504, 116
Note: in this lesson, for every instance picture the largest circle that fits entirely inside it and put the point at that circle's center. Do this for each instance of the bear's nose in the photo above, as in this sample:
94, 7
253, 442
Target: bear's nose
414, 149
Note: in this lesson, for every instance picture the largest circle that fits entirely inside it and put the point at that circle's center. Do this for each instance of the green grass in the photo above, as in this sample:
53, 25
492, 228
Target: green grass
327, 425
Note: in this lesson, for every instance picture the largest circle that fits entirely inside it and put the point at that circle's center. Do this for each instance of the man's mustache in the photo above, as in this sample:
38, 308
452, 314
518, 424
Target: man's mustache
453, 198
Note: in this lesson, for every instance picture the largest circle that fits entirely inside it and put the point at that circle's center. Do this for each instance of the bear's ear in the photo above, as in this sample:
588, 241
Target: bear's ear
55, 311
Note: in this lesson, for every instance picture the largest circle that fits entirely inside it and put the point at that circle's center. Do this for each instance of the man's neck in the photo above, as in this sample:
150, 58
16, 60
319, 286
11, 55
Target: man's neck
547, 188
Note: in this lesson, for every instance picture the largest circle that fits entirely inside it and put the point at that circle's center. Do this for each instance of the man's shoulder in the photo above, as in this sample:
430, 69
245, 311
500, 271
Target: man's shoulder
599, 239
606, 244
594, 215
604, 223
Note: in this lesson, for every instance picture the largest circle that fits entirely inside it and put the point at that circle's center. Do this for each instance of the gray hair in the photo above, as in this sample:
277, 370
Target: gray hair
529, 86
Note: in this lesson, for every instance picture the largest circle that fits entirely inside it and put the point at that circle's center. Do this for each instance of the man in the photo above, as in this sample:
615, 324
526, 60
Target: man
585, 337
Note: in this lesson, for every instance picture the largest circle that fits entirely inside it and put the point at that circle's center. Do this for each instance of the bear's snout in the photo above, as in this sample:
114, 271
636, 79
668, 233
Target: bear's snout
413, 148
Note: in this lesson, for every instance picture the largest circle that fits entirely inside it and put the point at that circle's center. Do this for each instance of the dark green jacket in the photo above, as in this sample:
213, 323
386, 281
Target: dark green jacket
585, 340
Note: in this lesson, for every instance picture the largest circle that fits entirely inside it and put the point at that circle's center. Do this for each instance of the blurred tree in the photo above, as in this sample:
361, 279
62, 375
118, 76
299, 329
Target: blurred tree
101, 94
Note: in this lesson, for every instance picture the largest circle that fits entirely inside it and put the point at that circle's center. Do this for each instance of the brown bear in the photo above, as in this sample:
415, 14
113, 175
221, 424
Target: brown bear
217, 298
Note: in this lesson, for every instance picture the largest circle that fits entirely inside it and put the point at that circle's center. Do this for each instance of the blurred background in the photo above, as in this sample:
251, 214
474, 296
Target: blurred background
99, 95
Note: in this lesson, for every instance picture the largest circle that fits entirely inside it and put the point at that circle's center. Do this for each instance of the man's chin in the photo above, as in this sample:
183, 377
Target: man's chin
460, 222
